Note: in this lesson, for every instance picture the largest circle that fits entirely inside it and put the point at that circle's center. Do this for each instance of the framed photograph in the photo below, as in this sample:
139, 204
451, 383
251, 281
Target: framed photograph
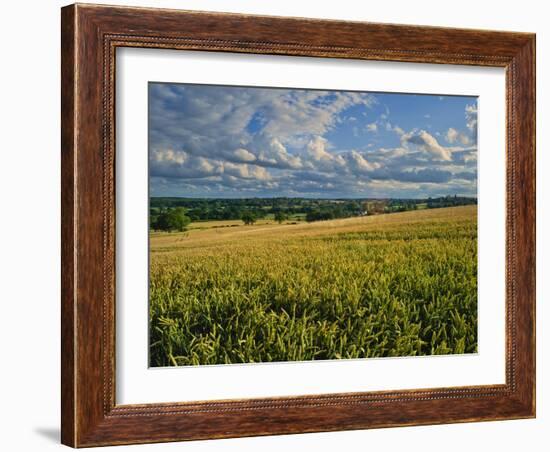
280, 225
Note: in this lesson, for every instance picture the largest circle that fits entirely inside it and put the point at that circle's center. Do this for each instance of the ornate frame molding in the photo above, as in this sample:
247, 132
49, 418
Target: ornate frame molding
90, 37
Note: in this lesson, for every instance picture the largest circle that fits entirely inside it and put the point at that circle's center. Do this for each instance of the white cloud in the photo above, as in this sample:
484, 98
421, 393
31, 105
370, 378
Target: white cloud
464, 139
452, 135
398, 130
272, 153
428, 143
471, 118
244, 155
293, 112
245, 171
471, 115
244, 125
317, 150
170, 163
169, 155
218, 138
359, 164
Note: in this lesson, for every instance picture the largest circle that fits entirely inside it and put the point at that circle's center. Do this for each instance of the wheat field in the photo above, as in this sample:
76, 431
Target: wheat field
402, 284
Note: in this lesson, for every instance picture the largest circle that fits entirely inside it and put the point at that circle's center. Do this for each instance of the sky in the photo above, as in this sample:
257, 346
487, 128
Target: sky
209, 141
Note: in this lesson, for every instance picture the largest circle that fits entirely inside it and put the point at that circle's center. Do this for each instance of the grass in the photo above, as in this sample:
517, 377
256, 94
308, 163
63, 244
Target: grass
402, 284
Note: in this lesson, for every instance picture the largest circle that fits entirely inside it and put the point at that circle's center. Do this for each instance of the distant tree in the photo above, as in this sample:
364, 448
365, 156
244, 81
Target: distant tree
319, 215
312, 215
171, 220
280, 216
177, 219
234, 213
248, 218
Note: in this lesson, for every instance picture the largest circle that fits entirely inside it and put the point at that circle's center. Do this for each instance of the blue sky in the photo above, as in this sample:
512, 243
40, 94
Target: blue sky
226, 141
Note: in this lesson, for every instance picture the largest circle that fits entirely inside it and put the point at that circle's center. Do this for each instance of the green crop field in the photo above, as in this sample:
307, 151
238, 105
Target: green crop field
399, 284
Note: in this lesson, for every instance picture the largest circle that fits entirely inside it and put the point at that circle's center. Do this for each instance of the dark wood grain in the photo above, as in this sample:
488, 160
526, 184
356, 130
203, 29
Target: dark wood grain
67, 226
90, 36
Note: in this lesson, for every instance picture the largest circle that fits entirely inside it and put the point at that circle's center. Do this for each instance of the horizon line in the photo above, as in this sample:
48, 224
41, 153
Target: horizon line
306, 197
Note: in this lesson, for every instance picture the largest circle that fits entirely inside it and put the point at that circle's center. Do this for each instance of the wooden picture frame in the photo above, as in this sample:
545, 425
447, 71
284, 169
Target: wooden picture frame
90, 36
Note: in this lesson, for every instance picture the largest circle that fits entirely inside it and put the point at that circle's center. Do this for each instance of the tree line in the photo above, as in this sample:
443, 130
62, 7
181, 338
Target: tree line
175, 214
